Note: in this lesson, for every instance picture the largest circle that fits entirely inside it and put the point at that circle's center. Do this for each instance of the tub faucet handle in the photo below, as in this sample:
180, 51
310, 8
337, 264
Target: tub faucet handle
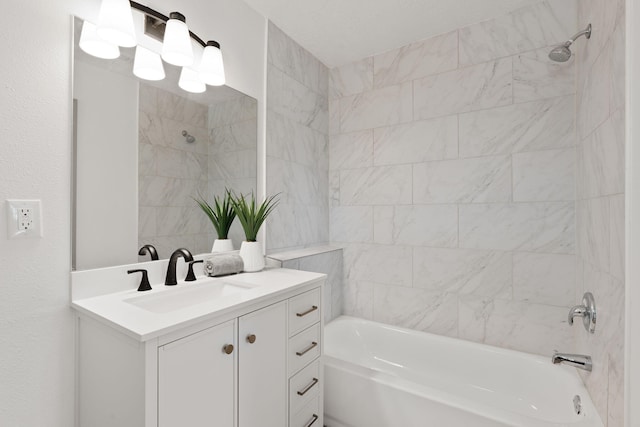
587, 311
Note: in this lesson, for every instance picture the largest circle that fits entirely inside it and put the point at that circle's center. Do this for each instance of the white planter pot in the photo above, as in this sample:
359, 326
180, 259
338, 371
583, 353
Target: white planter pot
251, 254
222, 245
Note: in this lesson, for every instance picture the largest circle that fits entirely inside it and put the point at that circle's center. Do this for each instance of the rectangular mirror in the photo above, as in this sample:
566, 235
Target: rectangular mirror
143, 151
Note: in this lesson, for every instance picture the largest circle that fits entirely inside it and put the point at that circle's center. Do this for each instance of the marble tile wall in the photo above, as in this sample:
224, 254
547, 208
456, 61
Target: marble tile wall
297, 144
600, 162
171, 172
452, 182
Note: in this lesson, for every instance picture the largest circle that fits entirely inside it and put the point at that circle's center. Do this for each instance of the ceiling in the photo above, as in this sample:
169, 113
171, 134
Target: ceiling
341, 31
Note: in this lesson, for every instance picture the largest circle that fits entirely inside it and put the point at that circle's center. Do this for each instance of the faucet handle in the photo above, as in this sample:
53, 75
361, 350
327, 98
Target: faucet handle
587, 311
144, 283
191, 277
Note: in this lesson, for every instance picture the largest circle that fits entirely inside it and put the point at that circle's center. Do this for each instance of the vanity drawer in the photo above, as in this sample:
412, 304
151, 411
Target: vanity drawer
309, 416
303, 348
304, 311
304, 385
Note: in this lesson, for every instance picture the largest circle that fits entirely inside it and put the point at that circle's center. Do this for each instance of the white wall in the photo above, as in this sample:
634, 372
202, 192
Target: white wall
36, 328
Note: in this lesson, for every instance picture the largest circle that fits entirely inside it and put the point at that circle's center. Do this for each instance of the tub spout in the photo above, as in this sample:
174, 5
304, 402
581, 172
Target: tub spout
579, 361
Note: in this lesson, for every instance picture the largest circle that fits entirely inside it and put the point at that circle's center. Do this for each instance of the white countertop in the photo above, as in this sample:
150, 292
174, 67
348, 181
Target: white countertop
114, 310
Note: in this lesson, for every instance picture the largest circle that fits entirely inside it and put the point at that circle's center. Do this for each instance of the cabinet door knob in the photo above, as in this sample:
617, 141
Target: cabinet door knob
228, 348
251, 338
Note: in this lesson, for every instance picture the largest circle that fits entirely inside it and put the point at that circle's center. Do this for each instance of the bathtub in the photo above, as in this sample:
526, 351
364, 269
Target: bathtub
384, 376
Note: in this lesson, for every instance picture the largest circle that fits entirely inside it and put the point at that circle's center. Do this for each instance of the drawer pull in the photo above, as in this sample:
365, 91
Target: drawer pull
251, 338
311, 310
306, 350
309, 387
313, 420
228, 349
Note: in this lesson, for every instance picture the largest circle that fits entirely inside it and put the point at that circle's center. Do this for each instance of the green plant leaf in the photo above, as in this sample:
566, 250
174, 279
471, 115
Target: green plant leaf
252, 217
221, 214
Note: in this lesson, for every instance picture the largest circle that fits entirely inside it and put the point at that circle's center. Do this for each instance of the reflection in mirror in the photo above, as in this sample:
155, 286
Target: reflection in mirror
143, 151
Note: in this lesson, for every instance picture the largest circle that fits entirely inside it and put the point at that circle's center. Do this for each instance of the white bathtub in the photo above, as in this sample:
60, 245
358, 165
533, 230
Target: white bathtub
384, 376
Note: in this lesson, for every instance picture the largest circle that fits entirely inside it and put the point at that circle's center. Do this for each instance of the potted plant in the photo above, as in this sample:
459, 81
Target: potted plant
221, 215
251, 217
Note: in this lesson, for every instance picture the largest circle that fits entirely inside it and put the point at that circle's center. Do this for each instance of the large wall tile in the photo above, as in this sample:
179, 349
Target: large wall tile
463, 271
351, 150
594, 231
352, 224
517, 128
378, 264
358, 298
477, 180
468, 89
431, 56
536, 227
416, 142
384, 185
351, 79
544, 278
535, 76
383, 224
544, 176
426, 225
295, 142
380, 107
542, 24
594, 95
617, 236
416, 309
329, 263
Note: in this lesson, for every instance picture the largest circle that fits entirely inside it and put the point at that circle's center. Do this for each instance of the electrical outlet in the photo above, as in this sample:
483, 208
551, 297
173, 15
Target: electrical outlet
24, 219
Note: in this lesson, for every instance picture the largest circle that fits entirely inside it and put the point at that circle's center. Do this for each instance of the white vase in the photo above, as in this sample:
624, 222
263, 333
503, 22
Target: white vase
251, 254
222, 245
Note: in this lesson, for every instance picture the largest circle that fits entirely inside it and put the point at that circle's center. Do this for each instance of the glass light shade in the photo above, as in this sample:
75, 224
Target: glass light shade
211, 66
176, 46
190, 81
94, 45
147, 65
115, 23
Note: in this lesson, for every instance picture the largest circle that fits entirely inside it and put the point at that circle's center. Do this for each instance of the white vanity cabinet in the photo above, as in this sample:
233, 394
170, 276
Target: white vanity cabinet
257, 366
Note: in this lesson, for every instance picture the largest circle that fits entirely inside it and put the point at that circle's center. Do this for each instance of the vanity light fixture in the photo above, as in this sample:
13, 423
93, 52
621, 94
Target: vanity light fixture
147, 64
115, 23
116, 28
94, 45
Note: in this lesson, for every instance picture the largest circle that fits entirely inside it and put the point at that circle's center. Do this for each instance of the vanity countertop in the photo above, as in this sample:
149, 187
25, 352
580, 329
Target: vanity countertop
173, 307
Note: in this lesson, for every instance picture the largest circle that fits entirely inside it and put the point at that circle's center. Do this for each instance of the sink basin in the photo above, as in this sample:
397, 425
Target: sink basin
185, 296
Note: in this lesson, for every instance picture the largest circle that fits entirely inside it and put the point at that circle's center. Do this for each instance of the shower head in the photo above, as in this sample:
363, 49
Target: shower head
562, 53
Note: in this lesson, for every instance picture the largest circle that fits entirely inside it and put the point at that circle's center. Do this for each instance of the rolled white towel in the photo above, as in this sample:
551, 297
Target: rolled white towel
220, 265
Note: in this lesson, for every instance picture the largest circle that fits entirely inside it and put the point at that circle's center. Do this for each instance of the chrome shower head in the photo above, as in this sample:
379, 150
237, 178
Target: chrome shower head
562, 53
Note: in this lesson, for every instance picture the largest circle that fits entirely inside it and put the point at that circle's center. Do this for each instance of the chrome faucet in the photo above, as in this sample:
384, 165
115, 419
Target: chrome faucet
170, 280
579, 361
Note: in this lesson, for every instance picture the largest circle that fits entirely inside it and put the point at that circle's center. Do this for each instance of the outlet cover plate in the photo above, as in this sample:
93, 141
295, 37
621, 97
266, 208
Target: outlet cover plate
24, 219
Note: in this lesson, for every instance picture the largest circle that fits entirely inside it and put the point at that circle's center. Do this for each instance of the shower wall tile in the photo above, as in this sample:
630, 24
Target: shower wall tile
384, 185
237, 110
147, 225
532, 126
617, 236
334, 117
383, 224
467, 89
380, 107
292, 99
548, 279
416, 309
531, 27
536, 227
476, 180
352, 224
426, 225
351, 150
594, 231
594, 95
416, 60
536, 77
329, 263
378, 264
463, 271
310, 147
617, 46
544, 176
358, 298
233, 137
415, 142
533, 328
351, 79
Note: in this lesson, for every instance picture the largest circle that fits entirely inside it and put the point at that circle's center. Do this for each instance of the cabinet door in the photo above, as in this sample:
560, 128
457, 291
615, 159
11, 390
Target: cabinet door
263, 368
196, 386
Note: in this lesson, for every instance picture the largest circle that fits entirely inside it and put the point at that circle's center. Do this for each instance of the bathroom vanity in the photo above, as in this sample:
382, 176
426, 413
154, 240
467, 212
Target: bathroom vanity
239, 351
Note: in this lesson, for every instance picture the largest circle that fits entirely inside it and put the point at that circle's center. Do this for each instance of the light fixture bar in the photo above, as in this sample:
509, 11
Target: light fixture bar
148, 11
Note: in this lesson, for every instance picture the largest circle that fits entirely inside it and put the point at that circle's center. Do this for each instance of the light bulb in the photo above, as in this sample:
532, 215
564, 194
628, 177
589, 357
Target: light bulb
211, 67
176, 46
94, 45
147, 65
190, 81
115, 23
